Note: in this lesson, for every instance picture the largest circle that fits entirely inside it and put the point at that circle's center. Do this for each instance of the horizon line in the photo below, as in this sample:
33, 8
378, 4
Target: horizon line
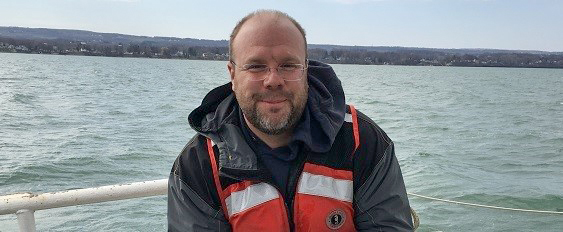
391, 46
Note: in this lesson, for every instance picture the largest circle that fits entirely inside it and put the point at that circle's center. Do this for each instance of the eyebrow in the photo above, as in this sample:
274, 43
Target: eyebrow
254, 60
290, 60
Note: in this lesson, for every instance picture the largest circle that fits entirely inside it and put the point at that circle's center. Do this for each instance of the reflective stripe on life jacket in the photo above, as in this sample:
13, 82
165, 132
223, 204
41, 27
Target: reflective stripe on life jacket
323, 201
250, 206
255, 207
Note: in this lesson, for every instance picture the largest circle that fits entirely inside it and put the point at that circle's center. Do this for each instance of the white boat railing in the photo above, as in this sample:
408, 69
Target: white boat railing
25, 204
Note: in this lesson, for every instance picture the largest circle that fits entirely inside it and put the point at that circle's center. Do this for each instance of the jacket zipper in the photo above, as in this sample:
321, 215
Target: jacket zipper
295, 176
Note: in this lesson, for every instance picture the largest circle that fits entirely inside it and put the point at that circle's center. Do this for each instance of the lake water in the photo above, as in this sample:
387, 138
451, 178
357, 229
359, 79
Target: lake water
489, 136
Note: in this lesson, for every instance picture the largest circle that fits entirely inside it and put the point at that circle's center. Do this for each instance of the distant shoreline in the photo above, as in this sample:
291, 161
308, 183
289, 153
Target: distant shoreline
177, 58
87, 43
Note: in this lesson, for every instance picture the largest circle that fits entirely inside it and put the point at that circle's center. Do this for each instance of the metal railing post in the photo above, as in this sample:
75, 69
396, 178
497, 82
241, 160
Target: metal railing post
26, 220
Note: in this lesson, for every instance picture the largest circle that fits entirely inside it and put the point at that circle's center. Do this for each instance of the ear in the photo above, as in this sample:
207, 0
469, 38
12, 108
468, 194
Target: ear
231, 69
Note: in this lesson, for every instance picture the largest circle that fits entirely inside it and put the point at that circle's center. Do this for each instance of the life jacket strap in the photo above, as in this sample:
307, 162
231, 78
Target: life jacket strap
355, 128
215, 170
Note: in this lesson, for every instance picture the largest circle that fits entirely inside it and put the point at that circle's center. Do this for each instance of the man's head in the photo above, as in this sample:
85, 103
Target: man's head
279, 14
273, 105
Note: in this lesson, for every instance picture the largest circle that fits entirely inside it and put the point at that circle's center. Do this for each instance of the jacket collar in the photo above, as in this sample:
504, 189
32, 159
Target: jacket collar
217, 118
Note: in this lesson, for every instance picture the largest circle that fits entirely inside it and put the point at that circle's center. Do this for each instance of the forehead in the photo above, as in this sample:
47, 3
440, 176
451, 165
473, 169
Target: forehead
269, 35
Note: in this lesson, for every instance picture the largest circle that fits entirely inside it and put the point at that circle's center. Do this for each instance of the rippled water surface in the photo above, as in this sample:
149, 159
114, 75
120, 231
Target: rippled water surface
489, 136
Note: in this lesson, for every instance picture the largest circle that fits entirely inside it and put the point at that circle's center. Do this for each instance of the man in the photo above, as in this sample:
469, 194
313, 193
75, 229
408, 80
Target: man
277, 148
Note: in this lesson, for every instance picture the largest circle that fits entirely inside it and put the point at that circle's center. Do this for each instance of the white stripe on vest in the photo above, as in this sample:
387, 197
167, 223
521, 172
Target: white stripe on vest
348, 118
251, 196
325, 186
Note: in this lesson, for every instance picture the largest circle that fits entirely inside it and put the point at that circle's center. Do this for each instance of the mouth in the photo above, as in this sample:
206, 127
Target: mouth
274, 101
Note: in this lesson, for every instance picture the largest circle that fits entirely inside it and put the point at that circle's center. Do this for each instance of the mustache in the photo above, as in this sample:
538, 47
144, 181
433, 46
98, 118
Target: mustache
272, 96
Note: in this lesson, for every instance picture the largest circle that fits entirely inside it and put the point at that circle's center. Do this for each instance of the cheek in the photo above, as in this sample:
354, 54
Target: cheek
243, 85
301, 89
240, 88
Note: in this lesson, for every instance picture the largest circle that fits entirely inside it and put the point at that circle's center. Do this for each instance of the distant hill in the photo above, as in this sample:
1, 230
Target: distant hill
96, 37
115, 38
88, 43
459, 51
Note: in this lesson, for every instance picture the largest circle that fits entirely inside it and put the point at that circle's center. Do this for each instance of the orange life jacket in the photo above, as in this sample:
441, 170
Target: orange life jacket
323, 200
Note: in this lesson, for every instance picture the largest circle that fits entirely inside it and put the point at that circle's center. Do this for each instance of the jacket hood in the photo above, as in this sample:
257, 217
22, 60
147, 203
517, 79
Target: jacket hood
326, 104
217, 116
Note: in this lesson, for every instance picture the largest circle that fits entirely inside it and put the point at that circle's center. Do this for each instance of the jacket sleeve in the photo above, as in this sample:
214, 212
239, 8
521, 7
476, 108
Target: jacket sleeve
192, 204
381, 202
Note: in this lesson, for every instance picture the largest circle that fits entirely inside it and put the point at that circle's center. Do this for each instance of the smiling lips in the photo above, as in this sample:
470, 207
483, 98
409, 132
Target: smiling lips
272, 98
273, 101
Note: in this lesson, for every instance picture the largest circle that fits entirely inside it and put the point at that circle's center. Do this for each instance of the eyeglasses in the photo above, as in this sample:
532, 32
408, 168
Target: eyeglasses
259, 72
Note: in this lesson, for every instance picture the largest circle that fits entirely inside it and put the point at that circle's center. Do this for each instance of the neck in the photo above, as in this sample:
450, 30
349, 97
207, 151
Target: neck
273, 141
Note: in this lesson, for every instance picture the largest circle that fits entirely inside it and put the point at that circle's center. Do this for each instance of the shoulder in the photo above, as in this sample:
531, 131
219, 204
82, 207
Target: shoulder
192, 154
369, 130
374, 146
193, 168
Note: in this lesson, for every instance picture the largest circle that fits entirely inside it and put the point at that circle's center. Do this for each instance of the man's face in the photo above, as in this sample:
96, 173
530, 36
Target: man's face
273, 105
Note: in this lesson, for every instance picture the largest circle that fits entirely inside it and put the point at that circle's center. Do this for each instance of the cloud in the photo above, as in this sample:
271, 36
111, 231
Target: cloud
366, 1
355, 1
363, 1
126, 1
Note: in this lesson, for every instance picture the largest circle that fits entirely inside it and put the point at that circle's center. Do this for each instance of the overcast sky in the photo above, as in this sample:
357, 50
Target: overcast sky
500, 24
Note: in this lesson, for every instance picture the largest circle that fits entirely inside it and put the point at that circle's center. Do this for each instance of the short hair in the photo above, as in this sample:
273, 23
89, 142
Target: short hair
263, 12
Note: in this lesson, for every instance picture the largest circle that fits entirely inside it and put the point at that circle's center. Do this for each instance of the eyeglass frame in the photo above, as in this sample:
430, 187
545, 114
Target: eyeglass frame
269, 70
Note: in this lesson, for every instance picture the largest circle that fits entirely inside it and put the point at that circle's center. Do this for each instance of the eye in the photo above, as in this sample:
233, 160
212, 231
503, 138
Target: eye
289, 67
255, 67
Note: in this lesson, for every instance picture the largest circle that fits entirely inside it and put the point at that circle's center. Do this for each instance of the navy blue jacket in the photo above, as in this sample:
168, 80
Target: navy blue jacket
380, 201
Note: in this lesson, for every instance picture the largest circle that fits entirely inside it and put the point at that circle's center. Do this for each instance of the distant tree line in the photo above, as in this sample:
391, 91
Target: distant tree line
435, 58
336, 56
144, 49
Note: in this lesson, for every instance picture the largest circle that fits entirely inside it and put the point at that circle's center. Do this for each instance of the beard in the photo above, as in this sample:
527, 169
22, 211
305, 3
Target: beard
281, 122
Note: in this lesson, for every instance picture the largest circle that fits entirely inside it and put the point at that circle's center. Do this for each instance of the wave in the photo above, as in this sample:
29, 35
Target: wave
71, 169
9, 145
9, 79
23, 98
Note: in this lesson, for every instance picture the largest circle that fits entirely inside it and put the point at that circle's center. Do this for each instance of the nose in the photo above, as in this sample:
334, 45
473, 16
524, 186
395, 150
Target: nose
273, 79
